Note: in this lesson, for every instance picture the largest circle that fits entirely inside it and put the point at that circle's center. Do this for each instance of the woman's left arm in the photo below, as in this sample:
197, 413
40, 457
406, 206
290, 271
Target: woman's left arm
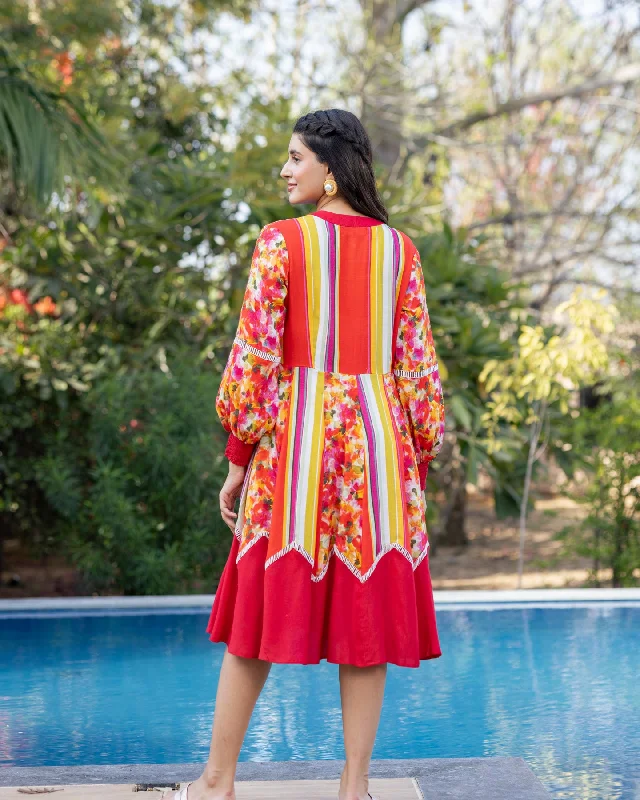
247, 400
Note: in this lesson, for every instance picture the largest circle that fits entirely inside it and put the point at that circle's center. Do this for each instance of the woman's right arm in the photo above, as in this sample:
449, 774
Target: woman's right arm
415, 368
247, 400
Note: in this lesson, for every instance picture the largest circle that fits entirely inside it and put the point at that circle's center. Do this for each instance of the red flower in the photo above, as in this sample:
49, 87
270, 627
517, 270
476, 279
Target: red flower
18, 297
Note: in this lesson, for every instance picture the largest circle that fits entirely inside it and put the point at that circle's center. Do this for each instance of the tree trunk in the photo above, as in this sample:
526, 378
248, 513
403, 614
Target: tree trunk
454, 532
383, 92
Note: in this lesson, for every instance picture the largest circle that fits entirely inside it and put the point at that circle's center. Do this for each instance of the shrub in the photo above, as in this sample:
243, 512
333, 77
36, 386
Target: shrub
606, 447
137, 491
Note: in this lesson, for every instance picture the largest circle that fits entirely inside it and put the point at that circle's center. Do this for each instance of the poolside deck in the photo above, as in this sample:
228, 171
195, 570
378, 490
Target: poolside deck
494, 778
384, 789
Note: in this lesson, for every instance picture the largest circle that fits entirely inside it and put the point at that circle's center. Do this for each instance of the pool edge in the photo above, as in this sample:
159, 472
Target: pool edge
469, 597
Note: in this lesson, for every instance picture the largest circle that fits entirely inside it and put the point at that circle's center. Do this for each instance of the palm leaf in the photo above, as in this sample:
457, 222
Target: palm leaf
44, 135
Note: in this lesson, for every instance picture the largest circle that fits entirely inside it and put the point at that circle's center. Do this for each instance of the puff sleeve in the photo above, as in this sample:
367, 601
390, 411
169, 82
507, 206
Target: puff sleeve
415, 368
247, 400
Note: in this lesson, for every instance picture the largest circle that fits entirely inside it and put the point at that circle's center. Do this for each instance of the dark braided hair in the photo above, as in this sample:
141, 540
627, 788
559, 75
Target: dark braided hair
339, 140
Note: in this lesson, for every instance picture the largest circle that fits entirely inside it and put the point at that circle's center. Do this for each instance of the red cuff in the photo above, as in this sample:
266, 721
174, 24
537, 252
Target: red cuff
423, 468
237, 451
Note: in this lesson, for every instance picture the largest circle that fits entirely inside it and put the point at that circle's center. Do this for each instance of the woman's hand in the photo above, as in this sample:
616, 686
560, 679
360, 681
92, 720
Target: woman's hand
230, 492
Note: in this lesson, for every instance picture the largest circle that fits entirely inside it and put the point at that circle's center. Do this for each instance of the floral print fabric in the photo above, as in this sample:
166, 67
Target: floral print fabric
416, 369
247, 401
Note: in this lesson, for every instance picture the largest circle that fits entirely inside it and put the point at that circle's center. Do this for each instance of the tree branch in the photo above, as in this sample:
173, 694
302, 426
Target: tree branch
627, 74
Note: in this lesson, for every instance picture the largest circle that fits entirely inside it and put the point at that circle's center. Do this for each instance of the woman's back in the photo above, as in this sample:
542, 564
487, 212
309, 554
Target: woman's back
333, 381
345, 275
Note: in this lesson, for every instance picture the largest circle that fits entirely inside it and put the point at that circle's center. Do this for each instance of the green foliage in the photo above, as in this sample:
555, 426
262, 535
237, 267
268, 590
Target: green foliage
118, 282
605, 447
470, 305
135, 487
548, 366
527, 395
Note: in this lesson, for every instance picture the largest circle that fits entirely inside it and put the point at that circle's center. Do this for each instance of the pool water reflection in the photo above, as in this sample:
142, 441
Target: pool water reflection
556, 686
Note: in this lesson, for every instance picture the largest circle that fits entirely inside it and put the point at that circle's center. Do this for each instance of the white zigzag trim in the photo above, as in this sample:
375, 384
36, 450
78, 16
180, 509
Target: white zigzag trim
334, 550
285, 550
256, 351
354, 570
255, 539
362, 578
403, 373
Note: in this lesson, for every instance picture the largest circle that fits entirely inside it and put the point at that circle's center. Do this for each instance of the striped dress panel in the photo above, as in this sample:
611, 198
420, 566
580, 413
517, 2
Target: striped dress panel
295, 527
385, 496
322, 279
387, 256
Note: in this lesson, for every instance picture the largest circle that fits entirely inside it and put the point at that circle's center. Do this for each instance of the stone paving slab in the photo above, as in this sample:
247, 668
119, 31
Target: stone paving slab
499, 778
381, 788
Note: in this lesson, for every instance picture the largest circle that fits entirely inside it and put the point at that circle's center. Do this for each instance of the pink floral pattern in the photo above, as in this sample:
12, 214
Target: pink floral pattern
342, 493
247, 400
343, 490
261, 480
413, 493
254, 400
421, 393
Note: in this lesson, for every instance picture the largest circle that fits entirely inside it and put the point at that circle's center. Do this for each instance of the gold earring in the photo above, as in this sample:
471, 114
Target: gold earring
330, 187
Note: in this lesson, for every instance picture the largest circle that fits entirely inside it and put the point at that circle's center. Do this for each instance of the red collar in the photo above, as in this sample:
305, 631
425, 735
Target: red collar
347, 219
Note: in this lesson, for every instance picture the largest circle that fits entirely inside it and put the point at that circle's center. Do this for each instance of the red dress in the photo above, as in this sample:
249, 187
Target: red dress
332, 397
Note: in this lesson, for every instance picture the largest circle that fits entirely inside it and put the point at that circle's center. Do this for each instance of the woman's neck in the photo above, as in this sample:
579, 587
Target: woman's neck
340, 208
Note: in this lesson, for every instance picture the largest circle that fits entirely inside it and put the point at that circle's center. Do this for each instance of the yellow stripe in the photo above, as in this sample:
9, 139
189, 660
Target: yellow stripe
380, 294
375, 288
312, 270
315, 469
400, 269
289, 465
392, 483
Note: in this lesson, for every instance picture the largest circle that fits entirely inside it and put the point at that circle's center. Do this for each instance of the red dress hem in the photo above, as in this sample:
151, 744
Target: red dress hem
281, 615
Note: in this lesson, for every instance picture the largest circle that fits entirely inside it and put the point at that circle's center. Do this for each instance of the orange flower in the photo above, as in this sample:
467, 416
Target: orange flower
63, 63
46, 307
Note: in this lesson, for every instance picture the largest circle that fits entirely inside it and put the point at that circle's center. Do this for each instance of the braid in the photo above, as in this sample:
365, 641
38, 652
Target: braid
327, 123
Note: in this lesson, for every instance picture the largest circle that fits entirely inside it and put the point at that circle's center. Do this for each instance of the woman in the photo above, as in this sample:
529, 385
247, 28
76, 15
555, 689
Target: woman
333, 404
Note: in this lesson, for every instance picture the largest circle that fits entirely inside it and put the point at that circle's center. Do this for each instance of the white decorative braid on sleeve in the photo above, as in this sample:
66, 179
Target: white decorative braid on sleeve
256, 351
403, 373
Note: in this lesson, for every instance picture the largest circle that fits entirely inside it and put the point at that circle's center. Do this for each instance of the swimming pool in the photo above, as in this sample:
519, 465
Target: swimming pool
554, 683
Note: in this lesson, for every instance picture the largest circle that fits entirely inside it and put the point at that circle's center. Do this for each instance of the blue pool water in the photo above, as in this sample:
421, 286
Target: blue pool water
557, 686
